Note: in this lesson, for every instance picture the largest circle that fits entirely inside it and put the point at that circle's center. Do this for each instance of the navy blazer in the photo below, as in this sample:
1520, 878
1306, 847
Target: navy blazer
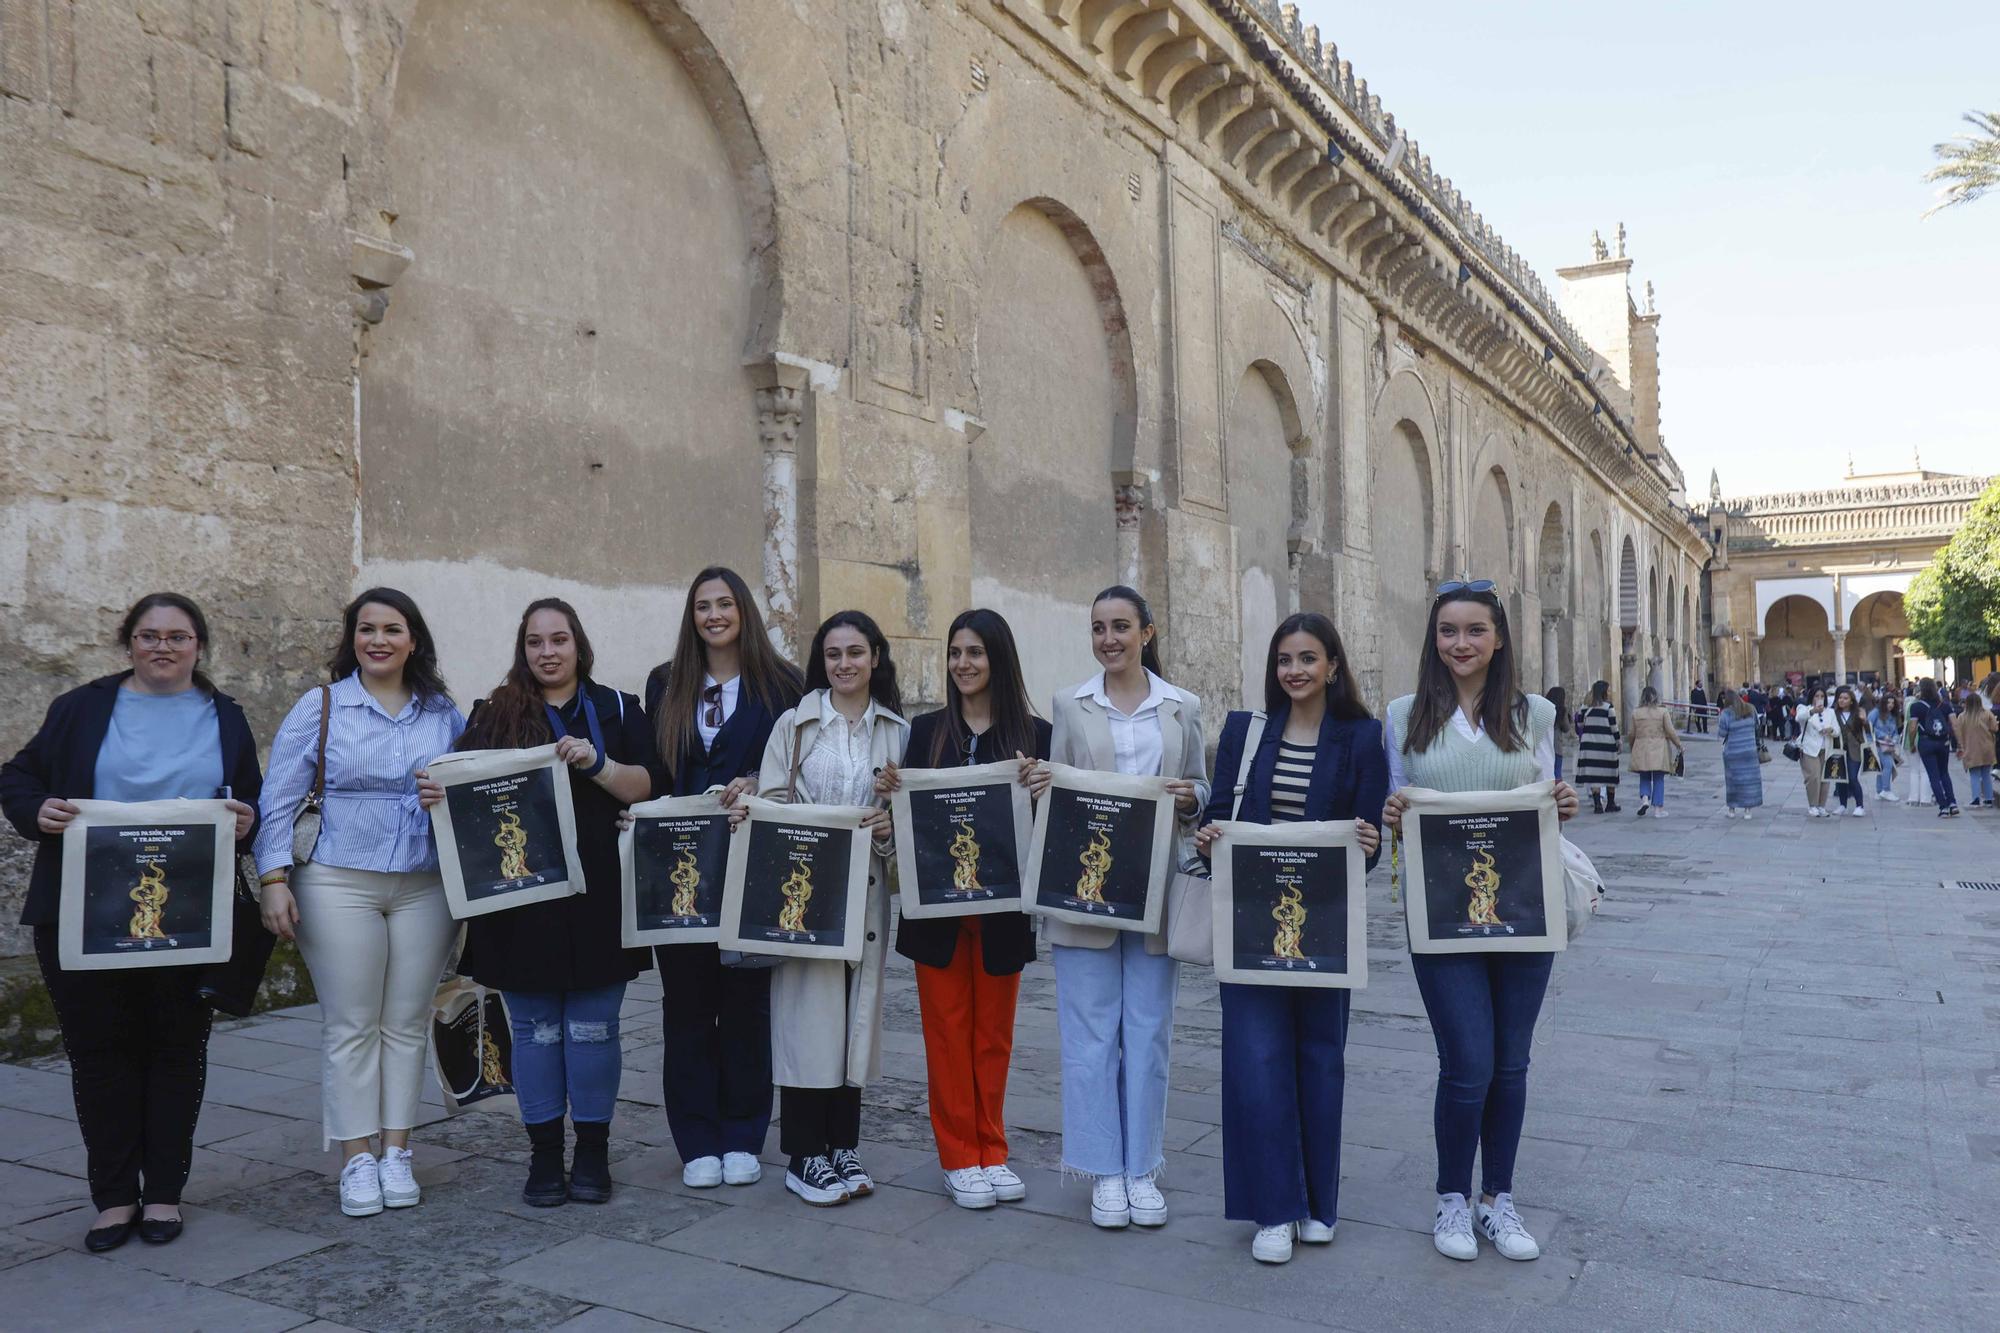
1350, 777
738, 749
61, 760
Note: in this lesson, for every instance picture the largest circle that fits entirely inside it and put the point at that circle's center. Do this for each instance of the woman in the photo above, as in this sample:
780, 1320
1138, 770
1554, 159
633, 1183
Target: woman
137, 1038
1565, 731
558, 963
1815, 737
1597, 749
969, 967
1975, 730
826, 1016
1742, 758
1653, 739
1849, 738
368, 910
1115, 988
1468, 728
1937, 741
1920, 780
1284, 1047
713, 719
1885, 723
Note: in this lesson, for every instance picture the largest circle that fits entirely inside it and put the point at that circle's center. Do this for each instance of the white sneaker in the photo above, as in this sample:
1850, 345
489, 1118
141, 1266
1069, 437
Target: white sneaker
738, 1168
1746, 816
1007, 1187
1451, 1229
1499, 1223
817, 1183
361, 1186
703, 1173
1644, 806
1149, 1206
968, 1188
1109, 1206
399, 1186
1888, 796
1660, 813
1859, 812
1273, 1245
1314, 1232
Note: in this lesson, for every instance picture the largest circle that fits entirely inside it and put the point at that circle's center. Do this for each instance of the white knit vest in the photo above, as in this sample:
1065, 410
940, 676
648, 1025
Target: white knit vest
1453, 763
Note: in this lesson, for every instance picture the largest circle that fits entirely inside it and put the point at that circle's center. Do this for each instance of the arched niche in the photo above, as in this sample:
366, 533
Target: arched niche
1404, 500
1267, 503
1797, 637
1490, 542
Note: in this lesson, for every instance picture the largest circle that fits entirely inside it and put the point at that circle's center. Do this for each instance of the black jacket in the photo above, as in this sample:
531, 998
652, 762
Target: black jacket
1350, 777
738, 749
1006, 939
61, 760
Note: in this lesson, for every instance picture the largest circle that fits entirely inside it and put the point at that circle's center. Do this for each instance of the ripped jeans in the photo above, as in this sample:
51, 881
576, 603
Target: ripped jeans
566, 1053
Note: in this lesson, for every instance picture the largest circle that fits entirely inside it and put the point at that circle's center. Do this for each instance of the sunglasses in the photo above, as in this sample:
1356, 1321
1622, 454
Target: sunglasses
712, 697
1446, 589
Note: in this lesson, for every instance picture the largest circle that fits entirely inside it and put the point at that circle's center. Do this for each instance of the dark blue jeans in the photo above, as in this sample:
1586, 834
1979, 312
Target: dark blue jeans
566, 1054
1482, 1008
1284, 1072
1937, 763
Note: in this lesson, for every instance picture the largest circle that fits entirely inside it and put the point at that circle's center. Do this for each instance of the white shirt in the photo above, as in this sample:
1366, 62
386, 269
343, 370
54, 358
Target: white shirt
1545, 753
729, 693
1136, 742
839, 769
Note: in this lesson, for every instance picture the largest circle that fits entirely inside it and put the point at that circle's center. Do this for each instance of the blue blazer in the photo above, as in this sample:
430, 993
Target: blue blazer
738, 749
1350, 777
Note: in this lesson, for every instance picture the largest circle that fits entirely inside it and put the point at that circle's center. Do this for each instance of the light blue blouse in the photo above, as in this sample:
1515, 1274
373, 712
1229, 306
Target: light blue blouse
159, 747
370, 819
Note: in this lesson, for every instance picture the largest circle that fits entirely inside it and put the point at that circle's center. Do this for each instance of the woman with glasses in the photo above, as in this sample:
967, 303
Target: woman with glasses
1597, 737
1469, 728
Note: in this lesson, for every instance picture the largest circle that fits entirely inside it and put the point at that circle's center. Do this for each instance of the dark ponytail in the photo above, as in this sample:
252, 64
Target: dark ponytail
1149, 656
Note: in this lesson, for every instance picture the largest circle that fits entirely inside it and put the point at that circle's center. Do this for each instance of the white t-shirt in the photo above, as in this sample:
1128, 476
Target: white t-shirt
729, 692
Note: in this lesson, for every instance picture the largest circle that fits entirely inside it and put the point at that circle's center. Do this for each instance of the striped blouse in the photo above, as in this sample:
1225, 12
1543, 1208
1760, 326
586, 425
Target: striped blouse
1290, 780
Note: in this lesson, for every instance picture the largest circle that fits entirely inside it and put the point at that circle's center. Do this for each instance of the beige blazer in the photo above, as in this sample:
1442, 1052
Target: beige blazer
1082, 739
826, 1016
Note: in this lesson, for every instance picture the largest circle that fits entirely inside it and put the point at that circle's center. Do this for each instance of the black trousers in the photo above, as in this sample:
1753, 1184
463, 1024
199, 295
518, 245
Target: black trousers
815, 1121
138, 1057
715, 1059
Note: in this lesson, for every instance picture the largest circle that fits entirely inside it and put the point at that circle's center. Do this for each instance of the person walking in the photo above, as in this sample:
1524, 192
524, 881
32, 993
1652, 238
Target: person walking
1885, 723
136, 1038
1851, 736
1698, 710
1566, 743
1760, 704
1815, 724
1654, 743
1976, 731
1742, 756
1597, 749
1937, 742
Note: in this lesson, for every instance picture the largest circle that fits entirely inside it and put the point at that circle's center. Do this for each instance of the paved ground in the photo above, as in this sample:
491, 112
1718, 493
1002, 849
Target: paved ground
1766, 1094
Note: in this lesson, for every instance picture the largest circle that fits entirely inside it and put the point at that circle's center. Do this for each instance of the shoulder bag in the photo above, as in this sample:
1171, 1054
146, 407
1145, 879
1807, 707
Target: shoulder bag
305, 824
1582, 887
1191, 892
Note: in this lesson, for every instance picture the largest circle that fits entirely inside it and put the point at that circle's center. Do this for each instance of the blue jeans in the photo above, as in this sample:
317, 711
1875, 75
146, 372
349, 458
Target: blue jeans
1937, 764
1885, 781
1284, 1070
1115, 1014
1851, 789
1982, 783
1482, 1008
566, 1053
1653, 787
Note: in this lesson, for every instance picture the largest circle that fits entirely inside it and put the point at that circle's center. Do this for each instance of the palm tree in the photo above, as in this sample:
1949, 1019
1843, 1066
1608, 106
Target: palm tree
1969, 165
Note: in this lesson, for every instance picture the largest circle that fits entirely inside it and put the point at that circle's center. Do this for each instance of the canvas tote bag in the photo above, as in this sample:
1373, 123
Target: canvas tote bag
1191, 893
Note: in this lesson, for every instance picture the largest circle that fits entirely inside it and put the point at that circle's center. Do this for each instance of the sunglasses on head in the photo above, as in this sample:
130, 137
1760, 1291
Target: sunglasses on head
1451, 586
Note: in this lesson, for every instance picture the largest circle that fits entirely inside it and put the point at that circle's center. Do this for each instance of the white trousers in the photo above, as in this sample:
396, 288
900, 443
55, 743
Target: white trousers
375, 944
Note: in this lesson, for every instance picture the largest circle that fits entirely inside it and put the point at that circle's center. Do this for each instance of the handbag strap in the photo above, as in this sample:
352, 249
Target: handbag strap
1252, 738
318, 792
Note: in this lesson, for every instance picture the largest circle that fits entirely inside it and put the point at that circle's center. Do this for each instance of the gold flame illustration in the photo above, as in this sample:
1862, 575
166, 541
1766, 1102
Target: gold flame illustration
1290, 914
1484, 881
798, 891
964, 851
151, 897
512, 840
685, 878
489, 1060
1096, 860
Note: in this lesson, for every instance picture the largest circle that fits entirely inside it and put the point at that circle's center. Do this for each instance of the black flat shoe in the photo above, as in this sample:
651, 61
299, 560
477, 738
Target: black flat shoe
159, 1230
100, 1239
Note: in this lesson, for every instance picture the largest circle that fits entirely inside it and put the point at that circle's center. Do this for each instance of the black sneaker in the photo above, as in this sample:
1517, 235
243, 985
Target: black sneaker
814, 1180
848, 1163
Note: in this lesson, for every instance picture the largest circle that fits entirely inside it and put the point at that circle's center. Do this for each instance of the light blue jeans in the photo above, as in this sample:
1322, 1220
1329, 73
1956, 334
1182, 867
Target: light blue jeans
566, 1053
1653, 787
1885, 781
1115, 1011
1982, 783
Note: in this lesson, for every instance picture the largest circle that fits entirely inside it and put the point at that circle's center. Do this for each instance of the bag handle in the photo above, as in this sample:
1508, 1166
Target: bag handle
318, 792
1252, 738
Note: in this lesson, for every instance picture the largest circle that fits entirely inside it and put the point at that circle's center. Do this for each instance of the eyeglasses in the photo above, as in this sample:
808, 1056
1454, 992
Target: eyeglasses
1446, 589
148, 640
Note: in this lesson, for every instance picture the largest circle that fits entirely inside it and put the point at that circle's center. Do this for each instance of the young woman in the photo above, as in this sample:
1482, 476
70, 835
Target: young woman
137, 1038
826, 1016
1885, 723
1742, 765
1815, 733
558, 963
1849, 738
368, 911
1937, 741
1467, 728
1115, 988
1284, 1047
1597, 749
969, 967
1975, 730
1654, 742
713, 717
1566, 744
1920, 777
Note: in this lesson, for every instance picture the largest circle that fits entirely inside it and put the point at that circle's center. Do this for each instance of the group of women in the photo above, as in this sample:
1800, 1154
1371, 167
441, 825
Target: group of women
1590, 741
729, 715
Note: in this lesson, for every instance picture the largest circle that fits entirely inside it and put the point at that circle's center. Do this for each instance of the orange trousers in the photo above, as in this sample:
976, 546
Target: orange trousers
968, 1040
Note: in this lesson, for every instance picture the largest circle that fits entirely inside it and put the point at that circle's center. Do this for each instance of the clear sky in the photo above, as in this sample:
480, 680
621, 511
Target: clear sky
1767, 160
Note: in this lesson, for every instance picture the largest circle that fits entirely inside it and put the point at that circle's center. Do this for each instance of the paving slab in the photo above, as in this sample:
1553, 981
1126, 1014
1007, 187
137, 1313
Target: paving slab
214, 1248
65, 1292
692, 1292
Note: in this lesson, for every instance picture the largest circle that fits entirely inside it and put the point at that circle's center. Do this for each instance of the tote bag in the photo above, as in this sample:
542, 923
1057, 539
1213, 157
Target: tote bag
1191, 892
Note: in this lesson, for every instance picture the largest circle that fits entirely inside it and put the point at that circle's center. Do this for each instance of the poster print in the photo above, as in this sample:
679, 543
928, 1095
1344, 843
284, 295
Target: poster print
798, 881
1484, 871
962, 841
147, 884
1290, 905
672, 863
1871, 759
506, 833
1833, 767
1101, 850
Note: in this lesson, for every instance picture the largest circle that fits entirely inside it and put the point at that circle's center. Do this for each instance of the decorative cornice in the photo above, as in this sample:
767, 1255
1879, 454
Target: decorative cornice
1928, 491
1930, 510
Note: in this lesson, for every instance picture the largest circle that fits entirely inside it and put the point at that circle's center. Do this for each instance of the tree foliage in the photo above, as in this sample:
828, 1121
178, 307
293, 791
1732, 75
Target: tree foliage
1953, 605
1968, 165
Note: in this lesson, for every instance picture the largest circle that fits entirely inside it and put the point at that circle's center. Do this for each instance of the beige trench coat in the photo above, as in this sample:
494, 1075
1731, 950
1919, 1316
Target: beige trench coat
1653, 740
826, 1016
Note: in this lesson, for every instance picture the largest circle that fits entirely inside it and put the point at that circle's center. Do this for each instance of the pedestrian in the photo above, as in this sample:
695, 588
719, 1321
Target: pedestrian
1743, 756
1597, 749
136, 1038
368, 909
1115, 988
1885, 723
969, 967
1760, 703
1937, 741
1468, 728
1654, 743
826, 1015
1565, 731
559, 964
1920, 778
1319, 756
1975, 735
1851, 736
1698, 710
1815, 724
712, 709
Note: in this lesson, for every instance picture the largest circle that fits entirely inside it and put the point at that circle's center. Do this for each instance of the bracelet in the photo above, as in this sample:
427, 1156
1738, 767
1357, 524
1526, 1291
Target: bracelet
270, 877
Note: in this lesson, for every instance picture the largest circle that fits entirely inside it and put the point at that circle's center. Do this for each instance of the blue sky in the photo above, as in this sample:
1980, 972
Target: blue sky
1767, 160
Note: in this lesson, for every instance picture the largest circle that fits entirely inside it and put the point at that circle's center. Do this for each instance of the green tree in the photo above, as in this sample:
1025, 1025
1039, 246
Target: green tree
1953, 604
1968, 165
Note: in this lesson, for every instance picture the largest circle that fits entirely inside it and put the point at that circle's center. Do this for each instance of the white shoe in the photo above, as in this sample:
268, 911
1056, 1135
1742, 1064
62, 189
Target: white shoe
817, 1183
847, 1163
1109, 1206
1149, 1206
1314, 1232
1499, 1223
703, 1173
968, 1188
1007, 1187
739, 1168
399, 1186
1888, 796
1451, 1229
1660, 813
1746, 816
1644, 806
1859, 812
1273, 1245
361, 1186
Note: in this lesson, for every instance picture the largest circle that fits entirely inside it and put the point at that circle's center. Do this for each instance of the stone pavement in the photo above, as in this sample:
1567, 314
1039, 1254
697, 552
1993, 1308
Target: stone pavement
1766, 1094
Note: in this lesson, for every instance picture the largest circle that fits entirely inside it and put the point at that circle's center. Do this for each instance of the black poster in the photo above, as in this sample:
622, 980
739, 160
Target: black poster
1290, 909
795, 883
147, 888
474, 1048
1098, 854
1833, 768
508, 833
678, 866
1871, 760
962, 842
1483, 875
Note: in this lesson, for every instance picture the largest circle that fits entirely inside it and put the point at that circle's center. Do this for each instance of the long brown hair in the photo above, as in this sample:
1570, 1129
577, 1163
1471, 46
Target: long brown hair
764, 675
1013, 728
515, 715
1503, 709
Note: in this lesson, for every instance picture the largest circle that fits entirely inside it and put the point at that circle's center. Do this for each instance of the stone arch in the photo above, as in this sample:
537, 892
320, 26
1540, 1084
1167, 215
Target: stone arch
1628, 588
1405, 502
1876, 628
1552, 584
1798, 636
1266, 461
1491, 544
1597, 606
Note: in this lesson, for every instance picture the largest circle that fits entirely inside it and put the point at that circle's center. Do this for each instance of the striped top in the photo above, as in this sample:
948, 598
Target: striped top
1290, 780
1597, 747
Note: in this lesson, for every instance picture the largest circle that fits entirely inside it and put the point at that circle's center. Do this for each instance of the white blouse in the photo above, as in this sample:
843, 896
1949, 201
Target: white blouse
840, 769
1136, 742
